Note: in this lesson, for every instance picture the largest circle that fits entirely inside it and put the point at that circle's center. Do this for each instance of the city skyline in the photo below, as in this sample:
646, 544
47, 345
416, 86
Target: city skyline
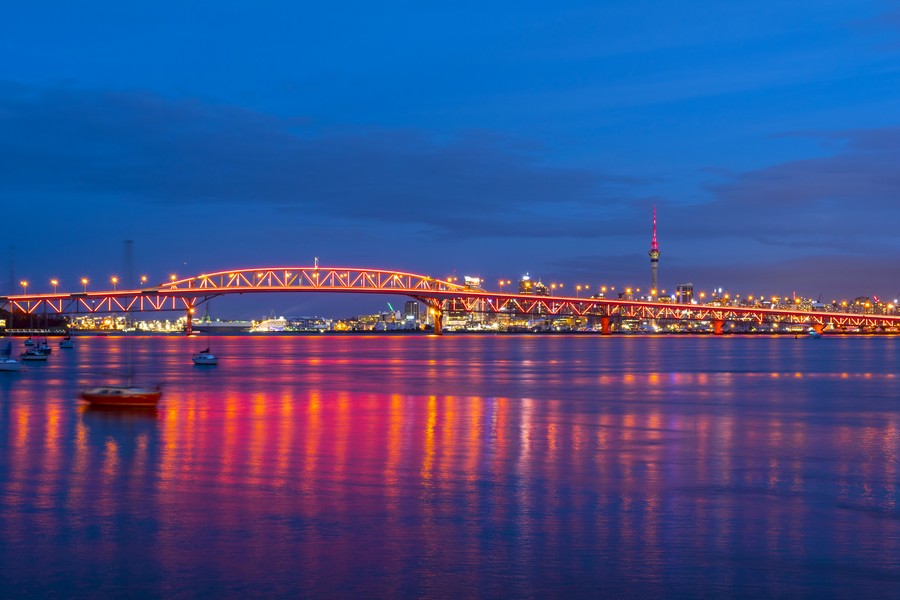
427, 141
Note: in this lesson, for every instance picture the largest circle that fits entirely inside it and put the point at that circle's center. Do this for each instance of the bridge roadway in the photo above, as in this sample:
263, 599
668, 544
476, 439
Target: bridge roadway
439, 295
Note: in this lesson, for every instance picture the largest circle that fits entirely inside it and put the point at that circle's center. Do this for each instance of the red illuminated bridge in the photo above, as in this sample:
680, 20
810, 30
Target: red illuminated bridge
439, 295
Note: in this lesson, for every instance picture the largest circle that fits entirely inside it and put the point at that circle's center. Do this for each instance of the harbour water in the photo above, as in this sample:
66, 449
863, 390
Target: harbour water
461, 466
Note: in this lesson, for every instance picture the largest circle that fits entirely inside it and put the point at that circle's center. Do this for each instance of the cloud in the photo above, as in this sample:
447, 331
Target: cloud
846, 200
142, 147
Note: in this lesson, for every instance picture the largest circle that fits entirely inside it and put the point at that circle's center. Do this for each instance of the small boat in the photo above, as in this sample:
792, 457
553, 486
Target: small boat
814, 334
44, 348
67, 342
204, 357
123, 396
7, 362
32, 354
29, 342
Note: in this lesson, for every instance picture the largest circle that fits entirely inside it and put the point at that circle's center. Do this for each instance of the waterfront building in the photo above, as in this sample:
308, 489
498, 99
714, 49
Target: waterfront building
474, 283
684, 293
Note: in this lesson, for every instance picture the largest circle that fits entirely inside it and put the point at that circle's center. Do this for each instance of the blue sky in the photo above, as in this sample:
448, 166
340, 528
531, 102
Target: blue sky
463, 139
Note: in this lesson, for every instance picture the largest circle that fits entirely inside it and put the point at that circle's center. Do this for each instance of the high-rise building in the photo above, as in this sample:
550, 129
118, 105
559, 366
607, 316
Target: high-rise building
526, 286
654, 258
411, 311
684, 293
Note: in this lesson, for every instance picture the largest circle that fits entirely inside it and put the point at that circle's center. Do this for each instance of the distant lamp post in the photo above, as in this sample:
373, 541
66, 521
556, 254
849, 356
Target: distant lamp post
84, 282
55, 284
578, 290
115, 282
24, 285
143, 279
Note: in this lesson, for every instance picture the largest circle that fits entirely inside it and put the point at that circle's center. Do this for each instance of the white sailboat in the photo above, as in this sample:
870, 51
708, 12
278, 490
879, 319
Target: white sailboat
205, 357
7, 362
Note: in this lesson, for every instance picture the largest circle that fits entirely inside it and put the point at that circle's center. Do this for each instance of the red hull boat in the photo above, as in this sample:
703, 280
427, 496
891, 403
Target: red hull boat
141, 397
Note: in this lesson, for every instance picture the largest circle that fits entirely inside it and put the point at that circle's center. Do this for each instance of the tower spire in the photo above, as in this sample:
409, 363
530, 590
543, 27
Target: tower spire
654, 257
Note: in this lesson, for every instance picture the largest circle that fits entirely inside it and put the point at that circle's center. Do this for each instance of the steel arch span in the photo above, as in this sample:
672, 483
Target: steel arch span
438, 294
187, 293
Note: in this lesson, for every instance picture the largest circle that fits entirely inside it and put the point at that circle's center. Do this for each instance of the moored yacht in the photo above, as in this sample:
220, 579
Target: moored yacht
33, 355
123, 396
204, 357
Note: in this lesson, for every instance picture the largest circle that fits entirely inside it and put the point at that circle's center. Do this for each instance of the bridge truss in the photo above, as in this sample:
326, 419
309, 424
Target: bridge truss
439, 295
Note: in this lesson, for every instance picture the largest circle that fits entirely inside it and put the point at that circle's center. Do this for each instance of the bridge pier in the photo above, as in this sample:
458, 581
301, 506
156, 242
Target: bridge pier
189, 323
718, 325
604, 325
438, 319
818, 327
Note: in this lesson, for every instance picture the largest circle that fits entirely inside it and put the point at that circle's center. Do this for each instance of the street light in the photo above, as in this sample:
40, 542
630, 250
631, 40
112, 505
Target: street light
24, 285
84, 282
115, 281
54, 283
143, 279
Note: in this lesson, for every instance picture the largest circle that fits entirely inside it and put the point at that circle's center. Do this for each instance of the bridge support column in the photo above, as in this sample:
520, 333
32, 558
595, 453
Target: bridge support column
189, 323
818, 327
438, 319
604, 325
718, 325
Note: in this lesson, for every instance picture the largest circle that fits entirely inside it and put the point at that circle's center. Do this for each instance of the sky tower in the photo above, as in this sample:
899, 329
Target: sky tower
654, 257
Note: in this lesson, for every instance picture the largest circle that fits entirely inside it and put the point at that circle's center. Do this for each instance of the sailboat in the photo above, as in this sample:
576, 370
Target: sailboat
129, 395
7, 362
204, 357
67, 342
123, 395
33, 354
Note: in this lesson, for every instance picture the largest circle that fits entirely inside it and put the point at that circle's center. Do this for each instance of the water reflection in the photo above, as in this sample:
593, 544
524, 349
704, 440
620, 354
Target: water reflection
508, 466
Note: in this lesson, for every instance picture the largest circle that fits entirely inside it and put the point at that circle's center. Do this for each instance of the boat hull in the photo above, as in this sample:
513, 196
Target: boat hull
122, 396
10, 365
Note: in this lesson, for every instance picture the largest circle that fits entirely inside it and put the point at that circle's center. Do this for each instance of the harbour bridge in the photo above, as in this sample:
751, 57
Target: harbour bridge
439, 295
